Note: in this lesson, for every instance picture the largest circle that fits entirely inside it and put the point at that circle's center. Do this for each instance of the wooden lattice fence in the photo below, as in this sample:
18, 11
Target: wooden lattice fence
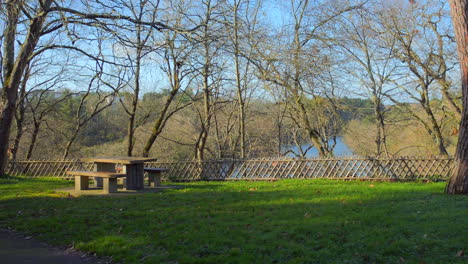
46, 168
336, 168
409, 168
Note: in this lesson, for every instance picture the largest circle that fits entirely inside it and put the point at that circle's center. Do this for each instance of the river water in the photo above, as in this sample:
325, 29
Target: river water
341, 149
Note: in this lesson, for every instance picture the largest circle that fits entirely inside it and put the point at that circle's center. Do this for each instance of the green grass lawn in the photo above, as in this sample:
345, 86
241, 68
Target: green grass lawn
290, 221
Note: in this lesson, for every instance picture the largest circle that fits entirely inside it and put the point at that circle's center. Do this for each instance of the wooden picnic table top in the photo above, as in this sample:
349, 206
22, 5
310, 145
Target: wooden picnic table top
121, 160
102, 174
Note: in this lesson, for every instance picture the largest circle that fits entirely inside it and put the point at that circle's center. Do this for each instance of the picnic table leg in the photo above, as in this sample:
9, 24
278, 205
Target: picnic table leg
134, 176
107, 167
154, 179
109, 185
81, 183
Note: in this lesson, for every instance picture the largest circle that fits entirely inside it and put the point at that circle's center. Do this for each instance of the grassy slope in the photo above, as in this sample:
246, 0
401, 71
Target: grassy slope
290, 221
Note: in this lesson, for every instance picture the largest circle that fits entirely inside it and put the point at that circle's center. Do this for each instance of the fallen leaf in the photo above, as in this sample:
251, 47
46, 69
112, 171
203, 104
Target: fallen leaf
371, 185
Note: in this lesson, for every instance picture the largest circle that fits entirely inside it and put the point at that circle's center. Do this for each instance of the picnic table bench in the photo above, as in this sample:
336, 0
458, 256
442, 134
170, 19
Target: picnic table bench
154, 176
109, 179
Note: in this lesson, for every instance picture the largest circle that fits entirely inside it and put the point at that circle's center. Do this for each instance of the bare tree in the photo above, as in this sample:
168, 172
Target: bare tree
40, 18
421, 47
175, 52
14, 65
42, 103
300, 63
240, 21
208, 39
371, 63
99, 95
135, 42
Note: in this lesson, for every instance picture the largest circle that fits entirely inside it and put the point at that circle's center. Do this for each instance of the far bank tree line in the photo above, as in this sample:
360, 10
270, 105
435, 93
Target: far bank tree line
241, 78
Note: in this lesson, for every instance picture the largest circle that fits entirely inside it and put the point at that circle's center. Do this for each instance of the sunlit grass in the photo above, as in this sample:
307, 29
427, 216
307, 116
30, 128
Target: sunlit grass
290, 221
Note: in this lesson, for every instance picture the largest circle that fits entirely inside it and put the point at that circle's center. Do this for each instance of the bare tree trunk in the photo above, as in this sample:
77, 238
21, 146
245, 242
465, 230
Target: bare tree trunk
312, 133
296, 89
378, 136
70, 142
240, 98
160, 122
384, 137
380, 139
220, 147
9, 91
201, 142
33, 140
207, 115
19, 134
458, 182
19, 117
133, 109
437, 133
130, 136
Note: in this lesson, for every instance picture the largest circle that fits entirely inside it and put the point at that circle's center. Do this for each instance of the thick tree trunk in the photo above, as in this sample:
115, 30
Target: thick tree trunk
20, 114
9, 91
5, 124
458, 182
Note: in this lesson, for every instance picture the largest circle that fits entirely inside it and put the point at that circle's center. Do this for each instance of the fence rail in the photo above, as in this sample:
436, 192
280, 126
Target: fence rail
410, 168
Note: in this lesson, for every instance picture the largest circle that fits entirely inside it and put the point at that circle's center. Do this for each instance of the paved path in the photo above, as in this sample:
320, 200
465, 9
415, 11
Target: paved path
15, 248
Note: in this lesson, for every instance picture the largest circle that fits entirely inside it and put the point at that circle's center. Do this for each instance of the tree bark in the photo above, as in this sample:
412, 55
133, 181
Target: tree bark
20, 114
458, 182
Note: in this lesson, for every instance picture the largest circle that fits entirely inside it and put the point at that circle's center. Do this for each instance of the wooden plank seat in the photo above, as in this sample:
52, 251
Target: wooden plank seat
109, 179
154, 176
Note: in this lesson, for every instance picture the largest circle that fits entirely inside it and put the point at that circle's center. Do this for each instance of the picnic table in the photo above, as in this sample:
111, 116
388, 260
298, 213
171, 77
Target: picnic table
133, 168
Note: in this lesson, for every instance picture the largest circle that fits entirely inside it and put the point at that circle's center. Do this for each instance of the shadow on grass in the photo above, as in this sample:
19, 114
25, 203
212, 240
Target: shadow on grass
19, 179
196, 185
289, 222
